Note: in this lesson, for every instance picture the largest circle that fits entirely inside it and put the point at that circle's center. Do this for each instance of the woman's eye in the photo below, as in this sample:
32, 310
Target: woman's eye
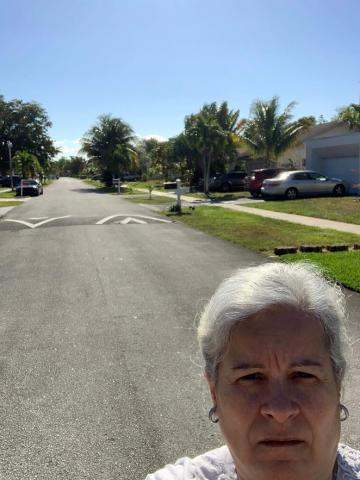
252, 377
302, 375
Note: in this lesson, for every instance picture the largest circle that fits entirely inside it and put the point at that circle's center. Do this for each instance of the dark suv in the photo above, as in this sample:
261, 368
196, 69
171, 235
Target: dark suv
228, 181
257, 177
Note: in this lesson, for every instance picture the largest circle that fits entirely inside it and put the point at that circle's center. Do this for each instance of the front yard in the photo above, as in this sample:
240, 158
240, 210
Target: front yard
262, 235
344, 209
6, 193
155, 199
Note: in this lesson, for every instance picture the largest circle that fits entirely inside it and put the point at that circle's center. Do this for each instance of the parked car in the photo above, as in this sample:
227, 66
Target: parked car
30, 187
303, 183
130, 177
6, 181
228, 181
256, 178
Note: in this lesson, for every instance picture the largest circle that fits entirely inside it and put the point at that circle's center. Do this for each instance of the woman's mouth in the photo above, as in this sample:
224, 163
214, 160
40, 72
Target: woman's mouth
282, 443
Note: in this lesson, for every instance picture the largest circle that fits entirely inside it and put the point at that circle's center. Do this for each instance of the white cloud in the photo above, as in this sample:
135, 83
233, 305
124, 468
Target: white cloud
159, 138
68, 147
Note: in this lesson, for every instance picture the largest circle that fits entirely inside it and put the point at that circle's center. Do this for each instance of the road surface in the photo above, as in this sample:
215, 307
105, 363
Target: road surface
100, 372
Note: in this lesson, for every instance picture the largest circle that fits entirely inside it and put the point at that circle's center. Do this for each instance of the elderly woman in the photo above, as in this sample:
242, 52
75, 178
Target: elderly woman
273, 342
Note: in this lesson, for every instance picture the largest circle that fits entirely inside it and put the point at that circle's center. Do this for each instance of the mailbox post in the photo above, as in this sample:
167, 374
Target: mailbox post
178, 194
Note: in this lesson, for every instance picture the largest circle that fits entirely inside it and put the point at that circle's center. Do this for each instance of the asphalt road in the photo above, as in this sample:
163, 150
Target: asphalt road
100, 376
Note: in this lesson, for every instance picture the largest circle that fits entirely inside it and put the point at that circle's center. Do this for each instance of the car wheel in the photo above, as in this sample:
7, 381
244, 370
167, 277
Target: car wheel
291, 193
255, 194
339, 190
225, 188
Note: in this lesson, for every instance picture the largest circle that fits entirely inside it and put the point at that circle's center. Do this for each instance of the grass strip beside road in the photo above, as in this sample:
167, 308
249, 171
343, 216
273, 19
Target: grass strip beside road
262, 235
155, 200
9, 204
158, 186
8, 194
344, 209
219, 195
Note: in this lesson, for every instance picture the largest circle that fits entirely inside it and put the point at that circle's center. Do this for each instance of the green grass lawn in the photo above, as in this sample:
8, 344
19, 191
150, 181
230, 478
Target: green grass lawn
5, 194
262, 235
344, 209
219, 195
9, 204
155, 199
344, 267
158, 185
101, 187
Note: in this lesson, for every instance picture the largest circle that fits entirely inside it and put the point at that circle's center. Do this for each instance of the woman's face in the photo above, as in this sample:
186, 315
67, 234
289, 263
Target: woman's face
277, 399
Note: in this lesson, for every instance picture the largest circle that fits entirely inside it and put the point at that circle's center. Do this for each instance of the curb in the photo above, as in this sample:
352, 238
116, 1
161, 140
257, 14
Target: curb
5, 210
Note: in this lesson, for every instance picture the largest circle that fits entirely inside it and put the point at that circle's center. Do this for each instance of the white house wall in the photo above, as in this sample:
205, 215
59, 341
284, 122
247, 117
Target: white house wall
336, 156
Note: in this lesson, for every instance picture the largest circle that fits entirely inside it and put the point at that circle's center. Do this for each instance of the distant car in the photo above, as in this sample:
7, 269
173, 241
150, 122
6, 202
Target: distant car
256, 178
298, 183
30, 187
130, 177
228, 181
6, 181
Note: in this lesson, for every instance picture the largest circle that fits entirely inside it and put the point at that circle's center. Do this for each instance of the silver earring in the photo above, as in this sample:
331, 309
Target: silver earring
344, 413
212, 418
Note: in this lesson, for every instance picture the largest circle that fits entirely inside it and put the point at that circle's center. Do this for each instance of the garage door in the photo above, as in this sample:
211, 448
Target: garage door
346, 168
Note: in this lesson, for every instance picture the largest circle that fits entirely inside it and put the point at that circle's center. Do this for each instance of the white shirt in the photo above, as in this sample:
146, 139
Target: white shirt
218, 465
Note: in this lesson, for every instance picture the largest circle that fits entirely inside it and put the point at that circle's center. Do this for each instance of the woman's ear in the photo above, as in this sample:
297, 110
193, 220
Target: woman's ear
212, 386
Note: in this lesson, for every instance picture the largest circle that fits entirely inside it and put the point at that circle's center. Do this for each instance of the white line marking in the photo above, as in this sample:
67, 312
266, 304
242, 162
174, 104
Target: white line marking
131, 219
37, 218
34, 225
106, 219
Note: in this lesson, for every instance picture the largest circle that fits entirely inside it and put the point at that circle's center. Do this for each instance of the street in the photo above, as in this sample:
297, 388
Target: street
100, 372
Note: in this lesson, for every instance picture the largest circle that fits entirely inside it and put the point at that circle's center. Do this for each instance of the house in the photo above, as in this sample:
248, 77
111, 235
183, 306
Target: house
330, 148
336, 153
294, 157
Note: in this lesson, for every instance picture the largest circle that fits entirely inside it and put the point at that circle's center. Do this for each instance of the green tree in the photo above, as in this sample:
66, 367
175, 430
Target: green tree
207, 136
269, 132
351, 116
76, 165
26, 125
27, 164
108, 144
126, 158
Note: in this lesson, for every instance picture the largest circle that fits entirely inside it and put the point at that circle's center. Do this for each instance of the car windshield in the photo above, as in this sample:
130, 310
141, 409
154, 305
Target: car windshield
29, 182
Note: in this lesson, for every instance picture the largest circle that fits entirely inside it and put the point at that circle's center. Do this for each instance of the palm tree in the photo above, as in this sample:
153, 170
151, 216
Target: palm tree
269, 132
207, 136
351, 115
109, 144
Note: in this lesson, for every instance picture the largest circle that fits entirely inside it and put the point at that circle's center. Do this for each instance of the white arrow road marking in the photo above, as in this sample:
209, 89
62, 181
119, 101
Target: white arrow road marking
131, 219
106, 219
34, 225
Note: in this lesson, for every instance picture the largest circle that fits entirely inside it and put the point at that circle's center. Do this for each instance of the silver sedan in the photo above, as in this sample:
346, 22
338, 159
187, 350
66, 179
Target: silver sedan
303, 183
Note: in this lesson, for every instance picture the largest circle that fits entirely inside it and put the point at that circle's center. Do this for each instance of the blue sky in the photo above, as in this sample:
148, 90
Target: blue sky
151, 62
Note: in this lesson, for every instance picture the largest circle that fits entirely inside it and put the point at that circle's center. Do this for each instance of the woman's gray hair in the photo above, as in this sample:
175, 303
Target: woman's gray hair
253, 289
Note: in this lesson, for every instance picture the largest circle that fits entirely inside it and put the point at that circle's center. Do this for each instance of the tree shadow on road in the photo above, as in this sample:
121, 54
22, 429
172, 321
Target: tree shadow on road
95, 190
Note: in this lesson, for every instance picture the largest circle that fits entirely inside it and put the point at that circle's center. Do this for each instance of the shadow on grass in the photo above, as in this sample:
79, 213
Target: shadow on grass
177, 214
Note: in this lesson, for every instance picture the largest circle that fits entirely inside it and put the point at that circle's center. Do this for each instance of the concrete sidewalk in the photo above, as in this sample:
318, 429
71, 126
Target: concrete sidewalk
239, 206
300, 219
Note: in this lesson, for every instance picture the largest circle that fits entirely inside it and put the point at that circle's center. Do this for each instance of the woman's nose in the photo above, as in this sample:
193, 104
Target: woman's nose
280, 406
